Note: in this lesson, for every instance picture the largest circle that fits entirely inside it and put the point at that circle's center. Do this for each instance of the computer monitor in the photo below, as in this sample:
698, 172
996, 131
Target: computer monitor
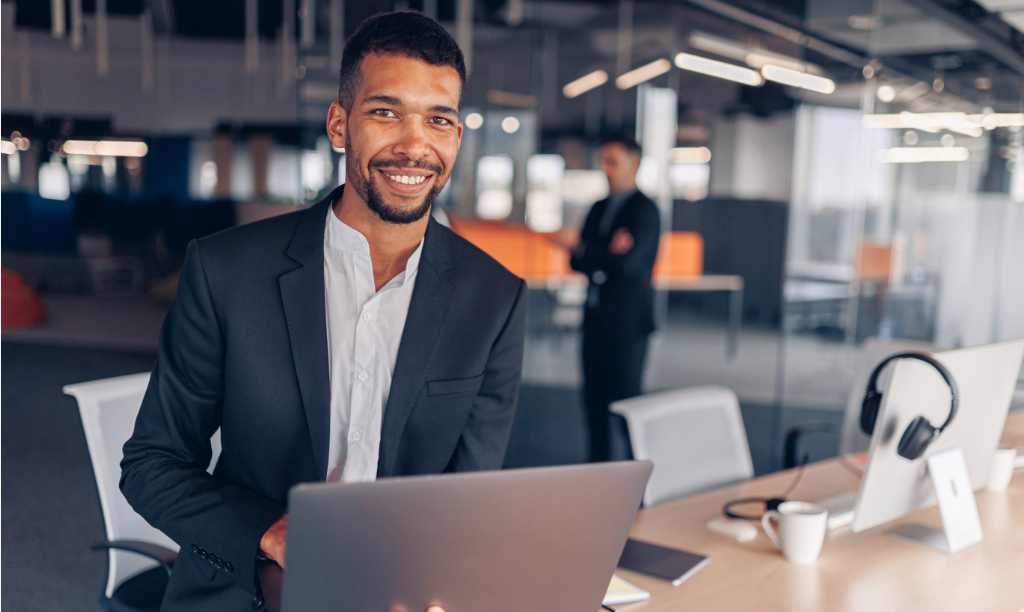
986, 376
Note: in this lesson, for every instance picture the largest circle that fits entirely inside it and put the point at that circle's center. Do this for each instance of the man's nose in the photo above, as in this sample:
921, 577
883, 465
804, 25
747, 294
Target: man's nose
413, 143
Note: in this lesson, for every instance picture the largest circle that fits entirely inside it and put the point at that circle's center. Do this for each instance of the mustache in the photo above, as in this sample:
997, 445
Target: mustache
381, 164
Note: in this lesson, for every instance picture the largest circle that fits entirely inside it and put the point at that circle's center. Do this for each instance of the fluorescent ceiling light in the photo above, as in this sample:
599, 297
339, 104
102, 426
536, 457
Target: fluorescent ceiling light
917, 155
118, 148
755, 57
585, 83
643, 73
798, 79
7, 147
969, 125
690, 155
759, 60
718, 69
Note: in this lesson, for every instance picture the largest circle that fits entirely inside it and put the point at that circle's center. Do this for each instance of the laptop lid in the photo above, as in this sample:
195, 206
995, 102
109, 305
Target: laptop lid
502, 541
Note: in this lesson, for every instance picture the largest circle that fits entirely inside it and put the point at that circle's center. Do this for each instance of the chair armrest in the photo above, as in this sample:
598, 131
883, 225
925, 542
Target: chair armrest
271, 577
164, 556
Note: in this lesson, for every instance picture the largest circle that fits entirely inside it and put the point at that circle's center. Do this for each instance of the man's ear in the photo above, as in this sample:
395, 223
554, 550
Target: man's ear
337, 123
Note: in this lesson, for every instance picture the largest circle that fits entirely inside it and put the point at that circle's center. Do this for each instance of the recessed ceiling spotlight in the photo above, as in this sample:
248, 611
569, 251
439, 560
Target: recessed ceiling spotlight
474, 120
510, 125
886, 93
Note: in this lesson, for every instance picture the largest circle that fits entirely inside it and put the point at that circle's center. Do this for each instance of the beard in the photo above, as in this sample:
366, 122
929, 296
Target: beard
367, 189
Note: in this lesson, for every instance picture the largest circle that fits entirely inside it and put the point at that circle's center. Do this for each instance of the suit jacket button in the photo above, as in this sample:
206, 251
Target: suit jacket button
219, 563
195, 549
204, 555
257, 602
228, 567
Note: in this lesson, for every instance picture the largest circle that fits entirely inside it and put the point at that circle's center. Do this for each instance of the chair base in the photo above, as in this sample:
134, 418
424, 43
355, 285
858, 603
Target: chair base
141, 593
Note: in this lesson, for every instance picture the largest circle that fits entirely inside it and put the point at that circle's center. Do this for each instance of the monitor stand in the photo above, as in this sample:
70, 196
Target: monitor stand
962, 526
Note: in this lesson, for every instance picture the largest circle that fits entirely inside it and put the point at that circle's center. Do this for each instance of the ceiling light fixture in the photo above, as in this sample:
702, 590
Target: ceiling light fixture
510, 125
729, 72
117, 148
969, 125
585, 83
798, 79
474, 120
643, 74
917, 155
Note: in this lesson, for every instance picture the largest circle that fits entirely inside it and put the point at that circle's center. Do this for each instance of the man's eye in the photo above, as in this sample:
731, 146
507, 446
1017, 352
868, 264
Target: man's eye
441, 121
383, 112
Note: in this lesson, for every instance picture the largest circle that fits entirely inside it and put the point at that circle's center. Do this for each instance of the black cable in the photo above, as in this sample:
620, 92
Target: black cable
607, 608
769, 503
799, 474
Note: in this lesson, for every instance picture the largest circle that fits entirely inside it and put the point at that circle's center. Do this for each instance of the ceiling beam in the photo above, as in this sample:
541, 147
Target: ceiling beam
987, 40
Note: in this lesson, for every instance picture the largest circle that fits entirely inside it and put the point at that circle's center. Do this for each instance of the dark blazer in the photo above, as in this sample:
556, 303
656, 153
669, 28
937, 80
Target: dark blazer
625, 307
244, 348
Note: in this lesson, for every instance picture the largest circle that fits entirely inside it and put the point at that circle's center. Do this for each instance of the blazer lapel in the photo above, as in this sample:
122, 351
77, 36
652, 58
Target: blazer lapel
302, 294
428, 314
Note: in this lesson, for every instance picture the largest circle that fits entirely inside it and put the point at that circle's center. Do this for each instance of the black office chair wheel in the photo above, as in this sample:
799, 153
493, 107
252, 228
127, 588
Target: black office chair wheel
142, 593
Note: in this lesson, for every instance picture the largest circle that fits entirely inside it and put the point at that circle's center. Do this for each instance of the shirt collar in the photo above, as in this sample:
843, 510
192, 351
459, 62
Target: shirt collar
341, 237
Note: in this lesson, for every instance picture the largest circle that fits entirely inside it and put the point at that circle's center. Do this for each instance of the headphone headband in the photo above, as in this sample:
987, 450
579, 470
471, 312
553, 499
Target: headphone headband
926, 358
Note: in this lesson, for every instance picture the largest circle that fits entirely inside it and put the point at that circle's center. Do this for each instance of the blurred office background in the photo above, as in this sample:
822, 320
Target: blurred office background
836, 177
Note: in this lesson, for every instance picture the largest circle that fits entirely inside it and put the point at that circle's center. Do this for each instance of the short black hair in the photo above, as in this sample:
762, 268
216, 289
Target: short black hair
409, 33
624, 139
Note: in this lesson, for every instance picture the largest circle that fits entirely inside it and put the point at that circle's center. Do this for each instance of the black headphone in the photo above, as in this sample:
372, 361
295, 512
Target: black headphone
920, 432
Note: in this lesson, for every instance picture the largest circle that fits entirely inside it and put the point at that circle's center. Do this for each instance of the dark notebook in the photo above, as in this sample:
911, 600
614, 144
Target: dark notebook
668, 564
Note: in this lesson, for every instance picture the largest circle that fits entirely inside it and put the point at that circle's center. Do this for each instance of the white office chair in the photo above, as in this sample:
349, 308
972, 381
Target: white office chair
695, 437
108, 409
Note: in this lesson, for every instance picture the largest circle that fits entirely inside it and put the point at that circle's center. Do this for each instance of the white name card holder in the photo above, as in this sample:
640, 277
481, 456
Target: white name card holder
962, 526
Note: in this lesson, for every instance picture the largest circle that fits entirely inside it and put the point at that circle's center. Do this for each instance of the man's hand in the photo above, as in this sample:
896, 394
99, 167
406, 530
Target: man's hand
274, 541
621, 243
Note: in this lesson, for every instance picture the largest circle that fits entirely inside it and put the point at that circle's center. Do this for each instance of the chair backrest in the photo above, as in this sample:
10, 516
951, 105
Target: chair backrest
108, 409
872, 352
695, 437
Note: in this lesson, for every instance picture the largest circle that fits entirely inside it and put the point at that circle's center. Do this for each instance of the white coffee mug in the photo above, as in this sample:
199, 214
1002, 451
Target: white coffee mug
801, 530
1001, 471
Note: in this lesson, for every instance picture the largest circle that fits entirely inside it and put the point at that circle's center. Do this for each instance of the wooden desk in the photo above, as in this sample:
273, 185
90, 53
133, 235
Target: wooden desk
865, 571
856, 571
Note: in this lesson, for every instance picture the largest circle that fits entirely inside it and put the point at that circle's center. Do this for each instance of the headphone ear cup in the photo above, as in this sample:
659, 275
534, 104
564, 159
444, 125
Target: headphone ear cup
869, 411
916, 438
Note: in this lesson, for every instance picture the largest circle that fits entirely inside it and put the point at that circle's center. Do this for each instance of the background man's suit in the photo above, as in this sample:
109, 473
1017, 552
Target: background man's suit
619, 314
244, 348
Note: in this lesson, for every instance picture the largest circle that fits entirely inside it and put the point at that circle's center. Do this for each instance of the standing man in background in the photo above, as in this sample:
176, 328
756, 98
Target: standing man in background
616, 250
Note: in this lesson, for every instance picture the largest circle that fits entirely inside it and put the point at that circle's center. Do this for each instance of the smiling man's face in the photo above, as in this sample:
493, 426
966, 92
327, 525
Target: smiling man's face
401, 136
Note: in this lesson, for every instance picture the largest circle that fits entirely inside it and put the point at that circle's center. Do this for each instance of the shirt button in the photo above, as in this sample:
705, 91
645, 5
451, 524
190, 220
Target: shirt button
367, 316
362, 376
357, 436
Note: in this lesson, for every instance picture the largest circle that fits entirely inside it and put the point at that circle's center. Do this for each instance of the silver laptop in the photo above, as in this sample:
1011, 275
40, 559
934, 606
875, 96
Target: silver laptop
504, 541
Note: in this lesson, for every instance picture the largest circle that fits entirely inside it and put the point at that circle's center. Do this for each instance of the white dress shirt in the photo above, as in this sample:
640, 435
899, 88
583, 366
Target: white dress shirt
364, 329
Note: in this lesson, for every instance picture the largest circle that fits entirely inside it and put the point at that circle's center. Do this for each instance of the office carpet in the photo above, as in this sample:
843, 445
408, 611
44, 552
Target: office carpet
50, 509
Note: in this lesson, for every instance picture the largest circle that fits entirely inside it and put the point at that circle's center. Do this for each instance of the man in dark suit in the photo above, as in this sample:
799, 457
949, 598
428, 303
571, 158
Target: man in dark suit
617, 248
353, 340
